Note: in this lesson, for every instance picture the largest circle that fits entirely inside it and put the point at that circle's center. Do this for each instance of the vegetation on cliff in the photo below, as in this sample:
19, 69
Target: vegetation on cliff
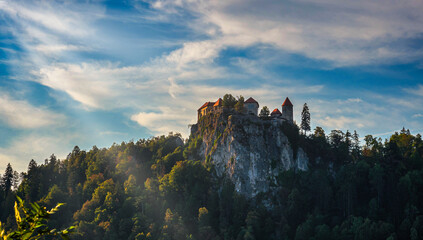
157, 189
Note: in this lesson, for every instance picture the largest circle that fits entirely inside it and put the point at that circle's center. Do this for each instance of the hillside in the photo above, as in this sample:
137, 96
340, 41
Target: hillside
236, 177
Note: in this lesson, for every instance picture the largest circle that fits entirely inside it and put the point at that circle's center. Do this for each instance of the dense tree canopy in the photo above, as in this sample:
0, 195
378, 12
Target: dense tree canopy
158, 189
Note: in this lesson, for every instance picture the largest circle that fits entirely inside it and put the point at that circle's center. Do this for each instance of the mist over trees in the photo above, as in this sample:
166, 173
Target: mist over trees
148, 189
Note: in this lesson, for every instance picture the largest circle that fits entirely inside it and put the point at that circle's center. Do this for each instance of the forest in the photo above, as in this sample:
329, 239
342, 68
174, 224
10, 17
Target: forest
148, 189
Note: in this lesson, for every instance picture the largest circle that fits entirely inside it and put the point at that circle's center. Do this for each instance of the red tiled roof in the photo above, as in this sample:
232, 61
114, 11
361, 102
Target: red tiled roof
218, 103
287, 102
207, 104
276, 112
251, 100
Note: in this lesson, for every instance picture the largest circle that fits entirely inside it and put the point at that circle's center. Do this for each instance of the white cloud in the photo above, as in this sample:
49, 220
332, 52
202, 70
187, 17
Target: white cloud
349, 114
408, 102
194, 52
107, 86
418, 90
163, 89
21, 114
164, 96
353, 100
48, 49
362, 32
342, 122
46, 28
418, 115
94, 86
165, 121
68, 19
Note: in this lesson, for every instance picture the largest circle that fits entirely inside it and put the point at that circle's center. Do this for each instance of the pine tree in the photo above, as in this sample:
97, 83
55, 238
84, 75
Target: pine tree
356, 140
264, 112
229, 101
16, 179
32, 165
7, 179
305, 118
355, 146
239, 106
348, 140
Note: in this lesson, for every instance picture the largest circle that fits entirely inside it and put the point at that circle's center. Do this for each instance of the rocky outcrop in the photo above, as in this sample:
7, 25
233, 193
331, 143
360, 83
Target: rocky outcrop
249, 150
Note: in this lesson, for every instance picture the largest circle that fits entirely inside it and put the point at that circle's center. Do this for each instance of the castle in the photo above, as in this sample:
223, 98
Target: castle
251, 108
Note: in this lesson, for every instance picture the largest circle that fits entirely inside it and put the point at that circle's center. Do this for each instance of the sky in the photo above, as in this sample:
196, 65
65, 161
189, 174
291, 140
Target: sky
101, 72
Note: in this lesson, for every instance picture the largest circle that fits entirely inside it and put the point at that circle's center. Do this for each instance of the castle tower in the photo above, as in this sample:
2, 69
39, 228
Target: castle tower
251, 106
288, 110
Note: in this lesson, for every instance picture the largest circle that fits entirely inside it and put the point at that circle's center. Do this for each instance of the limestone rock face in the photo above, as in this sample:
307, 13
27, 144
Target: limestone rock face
248, 150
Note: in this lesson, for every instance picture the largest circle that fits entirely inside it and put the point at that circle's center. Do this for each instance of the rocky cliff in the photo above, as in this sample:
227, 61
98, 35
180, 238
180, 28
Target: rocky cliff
249, 150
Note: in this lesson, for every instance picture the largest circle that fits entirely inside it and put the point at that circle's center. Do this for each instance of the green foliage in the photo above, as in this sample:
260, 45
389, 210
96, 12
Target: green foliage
7, 180
239, 106
187, 183
32, 223
158, 189
293, 134
264, 112
305, 118
194, 145
229, 101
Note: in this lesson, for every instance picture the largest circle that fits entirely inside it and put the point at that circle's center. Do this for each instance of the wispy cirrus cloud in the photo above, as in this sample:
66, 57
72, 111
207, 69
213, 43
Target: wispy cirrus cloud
67, 19
50, 27
359, 33
418, 90
161, 95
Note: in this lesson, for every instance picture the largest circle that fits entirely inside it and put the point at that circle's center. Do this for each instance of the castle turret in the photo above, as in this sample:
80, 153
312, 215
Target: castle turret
275, 113
288, 110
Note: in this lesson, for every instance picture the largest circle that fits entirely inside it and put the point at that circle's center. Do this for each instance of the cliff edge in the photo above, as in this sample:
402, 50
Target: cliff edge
250, 151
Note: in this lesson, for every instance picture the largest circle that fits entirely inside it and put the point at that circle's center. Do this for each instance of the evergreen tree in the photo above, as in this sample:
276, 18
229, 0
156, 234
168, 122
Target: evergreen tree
32, 165
239, 106
7, 179
356, 140
305, 118
264, 112
355, 145
16, 179
348, 140
229, 101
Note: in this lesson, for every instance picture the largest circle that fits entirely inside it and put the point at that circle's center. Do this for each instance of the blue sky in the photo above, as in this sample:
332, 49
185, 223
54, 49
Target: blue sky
96, 72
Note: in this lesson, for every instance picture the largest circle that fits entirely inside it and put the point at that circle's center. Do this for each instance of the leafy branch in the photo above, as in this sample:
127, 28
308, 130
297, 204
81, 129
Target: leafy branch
32, 223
